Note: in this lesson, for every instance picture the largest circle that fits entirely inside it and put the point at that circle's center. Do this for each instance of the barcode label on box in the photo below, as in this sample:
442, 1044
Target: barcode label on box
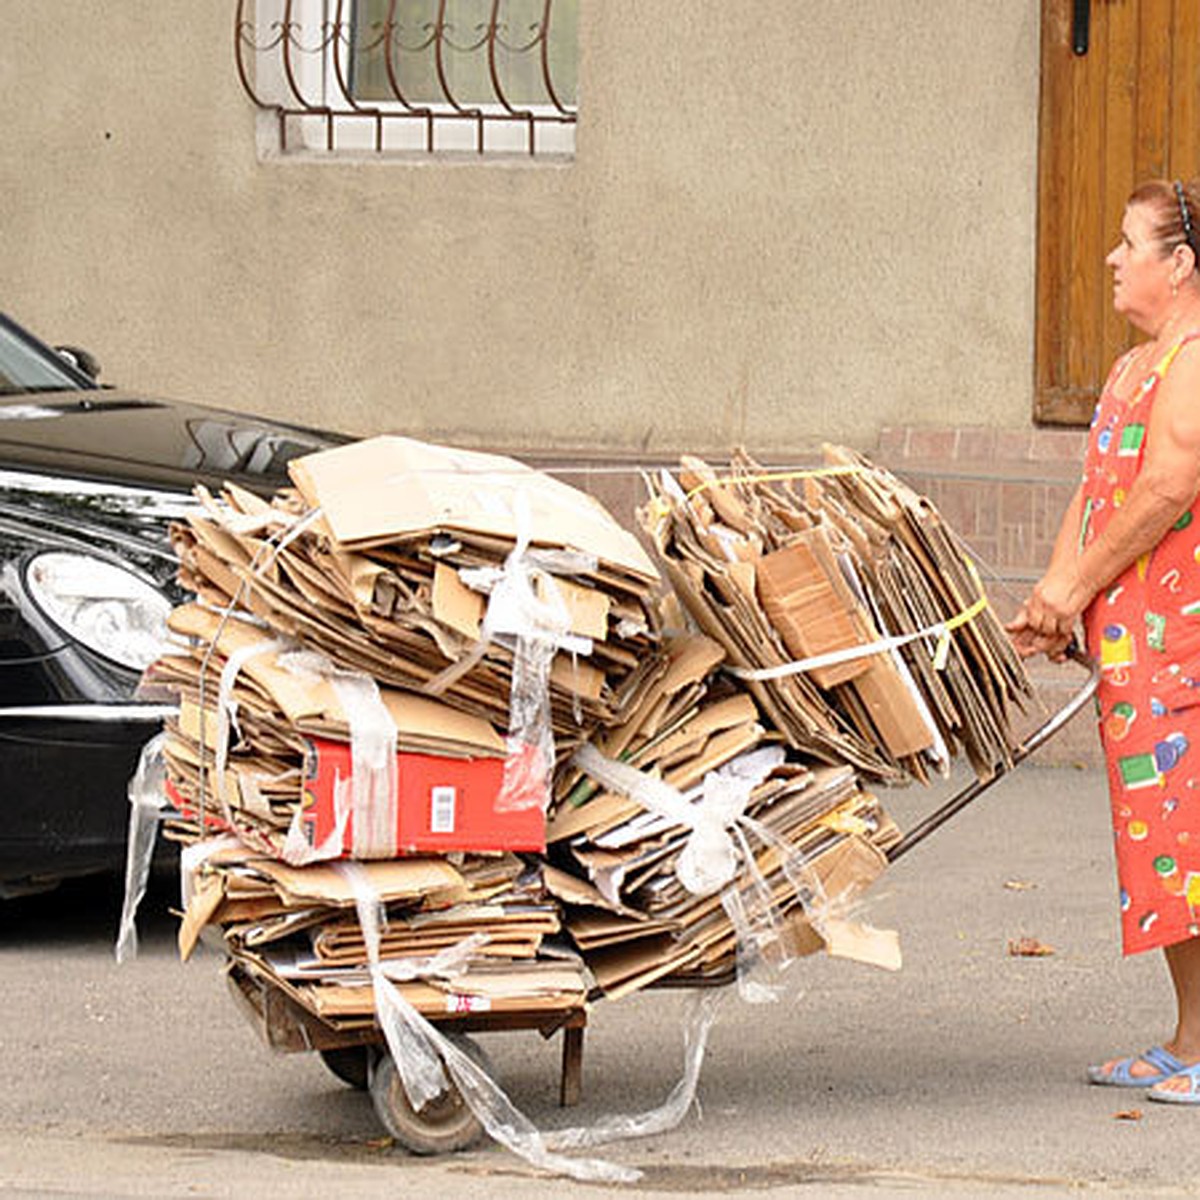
442, 804
458, 1003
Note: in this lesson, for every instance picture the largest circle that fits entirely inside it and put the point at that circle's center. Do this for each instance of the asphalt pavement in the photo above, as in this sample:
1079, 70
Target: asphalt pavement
961, 1074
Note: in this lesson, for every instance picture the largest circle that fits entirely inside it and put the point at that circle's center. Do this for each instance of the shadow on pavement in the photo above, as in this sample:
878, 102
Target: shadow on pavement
88, 911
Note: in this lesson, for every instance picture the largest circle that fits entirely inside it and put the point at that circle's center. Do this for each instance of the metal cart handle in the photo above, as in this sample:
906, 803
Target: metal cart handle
958, 802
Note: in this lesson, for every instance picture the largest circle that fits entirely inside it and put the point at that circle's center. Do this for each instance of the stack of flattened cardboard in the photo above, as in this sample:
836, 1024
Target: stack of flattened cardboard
615, 861
384, 558
284, 715
361, 599
385, 564
296, 930
780, 571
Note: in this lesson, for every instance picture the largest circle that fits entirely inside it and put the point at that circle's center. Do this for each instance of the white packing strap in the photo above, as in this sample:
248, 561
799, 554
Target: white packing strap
423, 1056
832, 657
539, 626
147, 799
230, 611
715, 848
374, 780
299, 525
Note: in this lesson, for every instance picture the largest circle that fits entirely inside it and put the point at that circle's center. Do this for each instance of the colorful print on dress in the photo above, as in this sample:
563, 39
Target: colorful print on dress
1156, 631
1149, 769
1105, 436
1116, 653
1132, 437
1167, 870
1119, 720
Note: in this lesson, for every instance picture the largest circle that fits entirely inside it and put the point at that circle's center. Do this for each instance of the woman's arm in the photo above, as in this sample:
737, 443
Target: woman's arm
1164, 488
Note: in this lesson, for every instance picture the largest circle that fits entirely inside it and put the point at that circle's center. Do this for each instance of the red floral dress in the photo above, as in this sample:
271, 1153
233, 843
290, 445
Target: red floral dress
1145, 632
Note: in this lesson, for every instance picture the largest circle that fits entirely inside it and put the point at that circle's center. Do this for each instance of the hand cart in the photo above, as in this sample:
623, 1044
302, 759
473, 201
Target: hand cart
359, 1056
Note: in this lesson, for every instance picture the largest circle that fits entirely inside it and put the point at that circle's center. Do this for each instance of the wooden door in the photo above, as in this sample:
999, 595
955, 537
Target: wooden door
1120, 100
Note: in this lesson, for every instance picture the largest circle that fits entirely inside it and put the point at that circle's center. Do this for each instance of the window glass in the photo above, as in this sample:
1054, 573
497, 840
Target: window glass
530, 45
26, 366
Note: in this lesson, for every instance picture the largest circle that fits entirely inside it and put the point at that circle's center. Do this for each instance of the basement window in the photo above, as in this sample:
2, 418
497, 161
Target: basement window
404, 77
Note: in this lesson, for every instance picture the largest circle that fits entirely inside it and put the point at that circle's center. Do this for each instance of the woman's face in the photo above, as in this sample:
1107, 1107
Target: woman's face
1141, 271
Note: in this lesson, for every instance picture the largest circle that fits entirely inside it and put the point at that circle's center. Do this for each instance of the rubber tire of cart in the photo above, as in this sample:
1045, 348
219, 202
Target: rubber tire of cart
444, 1125
351, 1064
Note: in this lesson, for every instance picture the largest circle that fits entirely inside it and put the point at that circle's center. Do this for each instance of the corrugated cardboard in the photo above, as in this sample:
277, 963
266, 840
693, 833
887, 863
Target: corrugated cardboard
813, 614
386, 488
443, 804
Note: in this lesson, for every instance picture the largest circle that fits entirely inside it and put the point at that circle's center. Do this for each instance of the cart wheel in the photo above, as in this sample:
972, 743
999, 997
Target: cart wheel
351, 1064
442, 1126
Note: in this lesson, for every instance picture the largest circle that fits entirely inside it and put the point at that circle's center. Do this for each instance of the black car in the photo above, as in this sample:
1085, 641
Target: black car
90, 477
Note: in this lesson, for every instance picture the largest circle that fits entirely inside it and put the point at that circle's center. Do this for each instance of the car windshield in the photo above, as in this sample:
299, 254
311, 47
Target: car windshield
27, 366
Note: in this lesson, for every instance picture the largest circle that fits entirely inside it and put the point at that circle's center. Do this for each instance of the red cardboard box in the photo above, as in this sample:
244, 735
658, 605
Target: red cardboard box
444, 804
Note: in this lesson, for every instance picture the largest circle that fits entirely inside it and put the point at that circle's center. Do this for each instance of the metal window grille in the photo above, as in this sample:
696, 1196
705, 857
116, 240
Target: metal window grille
481, 76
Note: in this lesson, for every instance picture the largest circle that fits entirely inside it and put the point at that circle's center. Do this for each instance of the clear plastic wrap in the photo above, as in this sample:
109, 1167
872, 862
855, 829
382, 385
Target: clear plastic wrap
717, 856
374, 785
526, 612
147, 799
423, 1055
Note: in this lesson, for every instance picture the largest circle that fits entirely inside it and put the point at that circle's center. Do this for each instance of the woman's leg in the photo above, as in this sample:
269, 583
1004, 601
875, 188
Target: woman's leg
1183, 960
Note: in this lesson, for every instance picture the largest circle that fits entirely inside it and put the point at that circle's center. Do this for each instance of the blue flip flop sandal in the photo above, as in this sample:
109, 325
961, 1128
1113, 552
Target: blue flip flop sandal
1162, 1060
1191, 1096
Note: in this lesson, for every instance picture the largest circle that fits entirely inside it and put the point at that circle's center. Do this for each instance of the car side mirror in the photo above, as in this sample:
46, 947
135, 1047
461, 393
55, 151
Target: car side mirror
81, 360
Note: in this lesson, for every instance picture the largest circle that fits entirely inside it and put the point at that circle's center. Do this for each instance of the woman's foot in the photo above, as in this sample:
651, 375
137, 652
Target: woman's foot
1181, 1088
1139, 1070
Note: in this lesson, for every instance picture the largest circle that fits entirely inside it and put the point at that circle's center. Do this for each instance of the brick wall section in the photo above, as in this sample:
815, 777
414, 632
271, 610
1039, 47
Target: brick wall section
1003, 490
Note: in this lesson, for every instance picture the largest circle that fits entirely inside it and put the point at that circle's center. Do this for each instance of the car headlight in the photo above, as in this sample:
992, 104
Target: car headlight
100, 604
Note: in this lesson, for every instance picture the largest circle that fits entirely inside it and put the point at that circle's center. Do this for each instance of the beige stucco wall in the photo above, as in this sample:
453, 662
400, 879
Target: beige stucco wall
787, 221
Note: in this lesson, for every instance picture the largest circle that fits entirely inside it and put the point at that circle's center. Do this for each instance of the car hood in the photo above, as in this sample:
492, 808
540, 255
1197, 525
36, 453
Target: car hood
107, 435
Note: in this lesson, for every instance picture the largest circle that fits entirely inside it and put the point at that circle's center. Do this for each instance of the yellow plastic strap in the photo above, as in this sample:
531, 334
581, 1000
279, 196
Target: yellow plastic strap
776, 477
942, 653
844, 820
661, 506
